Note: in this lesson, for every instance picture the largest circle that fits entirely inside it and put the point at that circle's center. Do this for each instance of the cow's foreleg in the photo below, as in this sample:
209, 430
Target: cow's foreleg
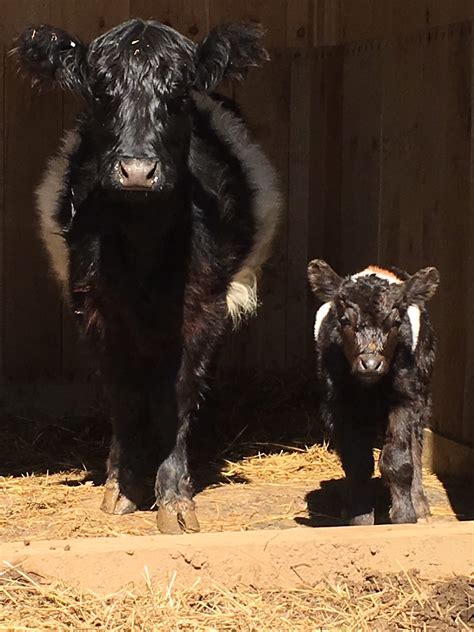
126, 465
202, 334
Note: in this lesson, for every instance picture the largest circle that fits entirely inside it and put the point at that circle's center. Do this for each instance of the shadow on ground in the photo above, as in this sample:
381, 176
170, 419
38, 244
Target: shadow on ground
239, 420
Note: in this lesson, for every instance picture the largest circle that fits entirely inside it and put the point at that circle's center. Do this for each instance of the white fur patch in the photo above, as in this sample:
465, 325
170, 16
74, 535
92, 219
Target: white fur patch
47, 197
266, 203
321, 314
414, 316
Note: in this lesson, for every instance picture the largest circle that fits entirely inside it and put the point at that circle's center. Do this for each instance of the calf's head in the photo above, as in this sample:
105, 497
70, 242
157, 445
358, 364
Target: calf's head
137, 80
370, 307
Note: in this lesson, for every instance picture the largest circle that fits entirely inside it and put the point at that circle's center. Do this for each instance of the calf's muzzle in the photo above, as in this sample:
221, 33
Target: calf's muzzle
370, 366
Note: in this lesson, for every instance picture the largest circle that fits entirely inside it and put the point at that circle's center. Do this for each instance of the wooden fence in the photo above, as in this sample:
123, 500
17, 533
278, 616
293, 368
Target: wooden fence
366, 112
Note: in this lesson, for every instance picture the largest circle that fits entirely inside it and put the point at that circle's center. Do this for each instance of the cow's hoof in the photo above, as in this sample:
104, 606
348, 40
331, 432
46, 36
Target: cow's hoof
188, 518
114, 502
175, 518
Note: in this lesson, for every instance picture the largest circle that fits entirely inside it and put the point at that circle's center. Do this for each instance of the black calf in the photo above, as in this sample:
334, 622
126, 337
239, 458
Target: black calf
375, 351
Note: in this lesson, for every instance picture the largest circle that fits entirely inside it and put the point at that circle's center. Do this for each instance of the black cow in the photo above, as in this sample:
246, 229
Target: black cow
375, 351
157, 214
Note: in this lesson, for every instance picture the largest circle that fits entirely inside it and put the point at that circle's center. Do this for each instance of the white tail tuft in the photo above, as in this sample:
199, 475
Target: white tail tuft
241, 297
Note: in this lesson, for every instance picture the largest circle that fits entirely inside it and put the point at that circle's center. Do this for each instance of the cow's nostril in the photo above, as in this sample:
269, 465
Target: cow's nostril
123, 170
152, 172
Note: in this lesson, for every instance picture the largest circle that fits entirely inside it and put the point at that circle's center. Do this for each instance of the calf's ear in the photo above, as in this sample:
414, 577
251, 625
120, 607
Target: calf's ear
227, 53
324, 282
51, 56
422, 286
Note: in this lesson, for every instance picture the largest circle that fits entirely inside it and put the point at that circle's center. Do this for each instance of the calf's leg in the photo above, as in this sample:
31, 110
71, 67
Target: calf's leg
356, 451
418, 496
396, 463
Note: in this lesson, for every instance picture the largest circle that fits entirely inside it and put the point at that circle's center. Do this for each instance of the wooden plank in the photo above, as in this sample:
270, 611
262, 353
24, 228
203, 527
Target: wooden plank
270, 127
456, 211
270, 13
325, 168
189, 18
299, 23
2, 183
363, 20
468, 411
434, 59
403, 164
297, 336
361, 156
32, 309
89, 18
446, 457
86, 19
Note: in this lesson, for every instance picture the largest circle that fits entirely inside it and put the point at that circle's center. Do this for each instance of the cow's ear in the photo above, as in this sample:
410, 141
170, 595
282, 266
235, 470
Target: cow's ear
324, 282
227, 53
50, 55
422, 286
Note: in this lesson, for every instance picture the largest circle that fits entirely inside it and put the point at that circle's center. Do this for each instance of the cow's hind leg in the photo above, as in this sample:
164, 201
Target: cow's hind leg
174, 411
128, 458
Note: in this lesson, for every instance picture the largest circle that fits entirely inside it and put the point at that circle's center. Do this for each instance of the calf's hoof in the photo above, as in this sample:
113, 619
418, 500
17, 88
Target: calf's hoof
422, 509
362, 519
176, 518
406, 515
114, 502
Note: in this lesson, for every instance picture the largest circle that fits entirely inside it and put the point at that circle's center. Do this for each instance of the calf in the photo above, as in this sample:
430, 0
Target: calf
375, 351
157, 215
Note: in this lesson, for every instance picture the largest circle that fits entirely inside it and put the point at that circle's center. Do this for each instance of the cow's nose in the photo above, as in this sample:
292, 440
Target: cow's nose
137, 174
370, 363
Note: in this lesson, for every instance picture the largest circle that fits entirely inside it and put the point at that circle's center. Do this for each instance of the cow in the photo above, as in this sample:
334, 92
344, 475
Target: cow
157, 214
375, 350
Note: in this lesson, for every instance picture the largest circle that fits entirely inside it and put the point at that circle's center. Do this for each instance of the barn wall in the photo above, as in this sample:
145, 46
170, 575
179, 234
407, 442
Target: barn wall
365, 111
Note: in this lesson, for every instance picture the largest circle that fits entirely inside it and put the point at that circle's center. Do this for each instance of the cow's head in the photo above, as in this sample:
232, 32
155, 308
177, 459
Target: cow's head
370, 307
137, 80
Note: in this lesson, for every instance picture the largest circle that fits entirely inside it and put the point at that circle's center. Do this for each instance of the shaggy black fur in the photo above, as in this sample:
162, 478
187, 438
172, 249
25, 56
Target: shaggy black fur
149, 271
368, 320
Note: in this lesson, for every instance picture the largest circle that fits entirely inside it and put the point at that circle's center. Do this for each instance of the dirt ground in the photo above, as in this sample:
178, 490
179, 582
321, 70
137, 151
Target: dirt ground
51, 476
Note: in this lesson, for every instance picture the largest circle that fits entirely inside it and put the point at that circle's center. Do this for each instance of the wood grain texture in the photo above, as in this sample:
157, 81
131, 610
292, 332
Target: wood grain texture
2, 206
298, 338
361, 154
189, 18
32, 310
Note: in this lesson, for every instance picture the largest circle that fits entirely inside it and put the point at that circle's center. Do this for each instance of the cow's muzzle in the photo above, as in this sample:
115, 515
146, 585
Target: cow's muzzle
136, 174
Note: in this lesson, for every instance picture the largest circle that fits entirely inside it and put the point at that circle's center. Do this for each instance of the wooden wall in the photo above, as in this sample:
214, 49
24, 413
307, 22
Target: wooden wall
366, 113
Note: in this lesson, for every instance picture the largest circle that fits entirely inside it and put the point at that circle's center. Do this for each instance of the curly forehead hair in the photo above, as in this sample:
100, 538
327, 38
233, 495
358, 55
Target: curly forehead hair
137, 52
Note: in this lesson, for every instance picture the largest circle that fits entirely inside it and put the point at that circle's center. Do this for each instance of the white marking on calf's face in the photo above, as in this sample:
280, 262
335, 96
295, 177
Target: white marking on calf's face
321, 314
414, 316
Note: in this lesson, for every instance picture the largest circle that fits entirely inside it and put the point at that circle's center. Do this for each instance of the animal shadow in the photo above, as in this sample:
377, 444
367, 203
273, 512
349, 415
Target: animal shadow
325, 504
